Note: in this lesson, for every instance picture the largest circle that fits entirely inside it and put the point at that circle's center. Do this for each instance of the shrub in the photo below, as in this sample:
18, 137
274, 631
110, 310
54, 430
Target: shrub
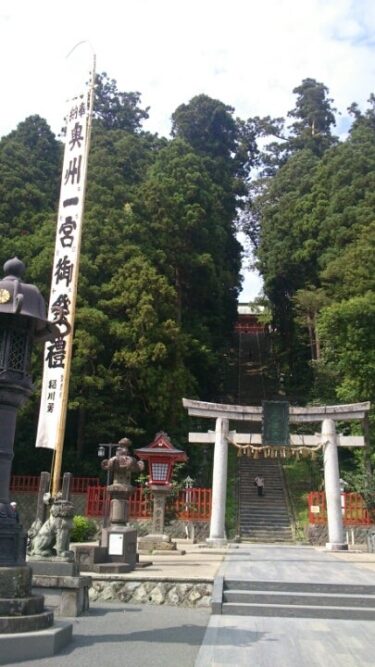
84, 529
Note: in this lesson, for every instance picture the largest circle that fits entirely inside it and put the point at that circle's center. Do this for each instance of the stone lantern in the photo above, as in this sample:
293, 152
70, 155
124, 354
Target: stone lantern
160, 456
22, 321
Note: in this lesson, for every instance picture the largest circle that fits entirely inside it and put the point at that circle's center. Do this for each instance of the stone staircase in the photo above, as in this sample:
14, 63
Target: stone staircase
294, 600
265, 518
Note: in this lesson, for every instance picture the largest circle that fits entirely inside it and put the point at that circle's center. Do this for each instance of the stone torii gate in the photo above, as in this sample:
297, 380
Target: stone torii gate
328, 440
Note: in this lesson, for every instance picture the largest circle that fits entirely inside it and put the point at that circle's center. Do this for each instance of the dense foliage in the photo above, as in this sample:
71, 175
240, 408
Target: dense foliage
311, 218
159, 267
160, 262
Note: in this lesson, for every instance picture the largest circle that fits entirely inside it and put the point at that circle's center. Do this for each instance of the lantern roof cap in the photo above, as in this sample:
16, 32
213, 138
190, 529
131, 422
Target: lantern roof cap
161, 445
19, 298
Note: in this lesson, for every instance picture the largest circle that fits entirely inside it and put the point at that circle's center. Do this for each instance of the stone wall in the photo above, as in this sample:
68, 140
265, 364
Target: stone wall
318, 534
27, 502
153, 592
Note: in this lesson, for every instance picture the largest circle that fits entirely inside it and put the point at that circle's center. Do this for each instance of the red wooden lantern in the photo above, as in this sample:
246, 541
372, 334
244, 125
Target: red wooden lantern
161, 457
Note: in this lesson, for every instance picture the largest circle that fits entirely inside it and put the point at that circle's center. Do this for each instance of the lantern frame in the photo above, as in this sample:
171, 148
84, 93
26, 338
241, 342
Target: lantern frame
160, 455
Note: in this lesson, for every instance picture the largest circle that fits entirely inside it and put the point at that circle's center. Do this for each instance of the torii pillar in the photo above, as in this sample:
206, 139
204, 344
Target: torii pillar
219, 483
332, 488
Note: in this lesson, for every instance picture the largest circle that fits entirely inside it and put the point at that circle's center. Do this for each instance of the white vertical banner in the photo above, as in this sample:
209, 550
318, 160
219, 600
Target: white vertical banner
57, 354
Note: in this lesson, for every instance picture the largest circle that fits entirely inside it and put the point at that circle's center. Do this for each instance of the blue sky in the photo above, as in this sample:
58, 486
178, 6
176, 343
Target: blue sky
248, 53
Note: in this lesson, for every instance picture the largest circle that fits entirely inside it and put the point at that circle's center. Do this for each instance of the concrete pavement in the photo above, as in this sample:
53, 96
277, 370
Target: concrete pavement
117, 635
120, 634
291, 642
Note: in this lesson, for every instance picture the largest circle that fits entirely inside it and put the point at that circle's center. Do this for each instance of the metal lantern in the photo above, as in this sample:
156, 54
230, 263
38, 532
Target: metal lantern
22, 320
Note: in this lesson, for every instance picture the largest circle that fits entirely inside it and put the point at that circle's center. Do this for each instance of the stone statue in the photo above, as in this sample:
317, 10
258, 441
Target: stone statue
52, 538
122, 465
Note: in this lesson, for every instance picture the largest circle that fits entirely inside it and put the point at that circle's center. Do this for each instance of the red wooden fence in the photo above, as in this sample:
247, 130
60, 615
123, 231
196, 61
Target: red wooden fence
30, 483
190, 505
353, 508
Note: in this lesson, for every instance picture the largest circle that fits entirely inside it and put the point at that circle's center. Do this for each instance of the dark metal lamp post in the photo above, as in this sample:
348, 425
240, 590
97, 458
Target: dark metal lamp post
22, 320
102, 453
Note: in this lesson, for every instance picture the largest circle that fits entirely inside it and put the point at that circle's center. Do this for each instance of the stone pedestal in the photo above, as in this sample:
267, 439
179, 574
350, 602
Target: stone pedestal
151, 542
157, 540
122, 545
68, 596
118, 556
87, 555
27, 630
20, 611
53, 567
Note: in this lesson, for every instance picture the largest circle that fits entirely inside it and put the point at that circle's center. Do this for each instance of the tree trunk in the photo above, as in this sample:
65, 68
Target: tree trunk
80, 432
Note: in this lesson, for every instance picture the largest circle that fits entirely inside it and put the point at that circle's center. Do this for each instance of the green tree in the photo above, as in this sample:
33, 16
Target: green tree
116, 110
191, 240
314, 117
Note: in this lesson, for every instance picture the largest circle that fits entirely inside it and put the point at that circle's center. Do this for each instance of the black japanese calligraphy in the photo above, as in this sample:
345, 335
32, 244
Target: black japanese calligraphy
64, 270
61, 310
74, 171
65, 230
76, 136
56, 353
73, 201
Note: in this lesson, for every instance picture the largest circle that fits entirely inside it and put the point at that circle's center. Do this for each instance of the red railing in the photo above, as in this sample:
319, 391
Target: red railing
191, 504
24, 483
30, 484
194, 504
354, 510
245, 328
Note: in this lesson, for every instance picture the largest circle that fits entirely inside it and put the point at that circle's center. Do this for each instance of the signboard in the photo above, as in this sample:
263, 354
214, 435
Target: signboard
116, 544
315, 509
57, 353
275, 423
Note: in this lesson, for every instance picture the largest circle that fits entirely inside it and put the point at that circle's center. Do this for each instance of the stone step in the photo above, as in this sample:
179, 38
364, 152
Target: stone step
269, 540
299, 611
265, 519
293, 599
272, 496
264, 511
265, 535
298, 587
263, 523
298, 598
265, 530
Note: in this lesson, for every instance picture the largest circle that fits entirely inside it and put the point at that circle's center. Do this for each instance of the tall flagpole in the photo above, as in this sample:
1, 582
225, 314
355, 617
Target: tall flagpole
58, 355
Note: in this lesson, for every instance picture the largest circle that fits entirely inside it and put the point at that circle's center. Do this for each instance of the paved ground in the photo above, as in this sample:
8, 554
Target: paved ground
288, 642
116, 635
124, 634
198, 563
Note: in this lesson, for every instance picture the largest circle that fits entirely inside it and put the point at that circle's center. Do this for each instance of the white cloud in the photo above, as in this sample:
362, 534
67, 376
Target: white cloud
251, 55
248, 54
